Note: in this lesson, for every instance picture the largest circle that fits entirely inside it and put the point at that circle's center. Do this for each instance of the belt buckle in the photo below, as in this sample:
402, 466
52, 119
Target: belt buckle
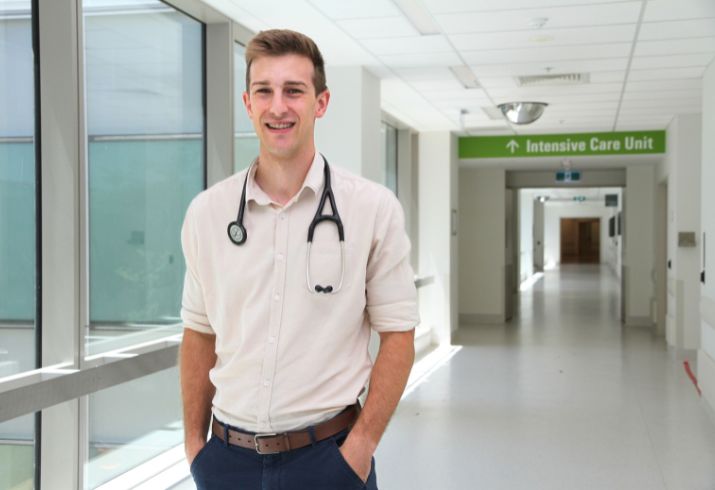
256, 442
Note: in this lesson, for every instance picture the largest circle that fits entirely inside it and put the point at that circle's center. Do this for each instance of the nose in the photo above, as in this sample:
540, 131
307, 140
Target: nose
278, 106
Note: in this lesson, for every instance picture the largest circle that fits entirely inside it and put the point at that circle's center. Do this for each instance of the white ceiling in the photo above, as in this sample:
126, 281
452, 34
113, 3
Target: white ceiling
645, 58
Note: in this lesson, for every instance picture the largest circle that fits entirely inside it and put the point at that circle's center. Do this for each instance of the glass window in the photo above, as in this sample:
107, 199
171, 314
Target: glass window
389, 134
17, 453
245, 140
17, 189
146, 150
132, 423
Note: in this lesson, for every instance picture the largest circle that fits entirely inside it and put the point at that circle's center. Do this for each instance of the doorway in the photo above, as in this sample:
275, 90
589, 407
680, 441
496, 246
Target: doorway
580, 240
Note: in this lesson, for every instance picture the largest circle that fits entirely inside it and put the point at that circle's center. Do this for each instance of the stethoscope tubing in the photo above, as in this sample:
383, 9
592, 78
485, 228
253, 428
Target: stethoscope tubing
238, 235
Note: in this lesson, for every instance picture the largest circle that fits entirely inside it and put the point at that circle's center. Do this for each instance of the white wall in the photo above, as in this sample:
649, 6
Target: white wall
555, 211
706, 354
482, 245
349, 133
681, 170
526, 234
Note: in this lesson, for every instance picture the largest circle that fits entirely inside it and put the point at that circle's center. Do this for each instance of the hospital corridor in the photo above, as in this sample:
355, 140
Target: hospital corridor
225, 224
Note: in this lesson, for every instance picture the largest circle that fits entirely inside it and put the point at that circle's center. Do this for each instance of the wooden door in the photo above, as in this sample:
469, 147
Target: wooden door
580, 240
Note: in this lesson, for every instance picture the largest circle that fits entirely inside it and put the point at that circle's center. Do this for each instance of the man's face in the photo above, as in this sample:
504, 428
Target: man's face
282, 104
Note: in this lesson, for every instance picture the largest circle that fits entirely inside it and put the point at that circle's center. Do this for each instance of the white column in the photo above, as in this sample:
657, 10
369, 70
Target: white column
438, 247
639, 252
349, 133
482, 245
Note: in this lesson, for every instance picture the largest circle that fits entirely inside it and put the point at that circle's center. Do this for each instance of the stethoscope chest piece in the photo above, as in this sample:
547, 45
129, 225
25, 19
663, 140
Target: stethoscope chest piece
237, 233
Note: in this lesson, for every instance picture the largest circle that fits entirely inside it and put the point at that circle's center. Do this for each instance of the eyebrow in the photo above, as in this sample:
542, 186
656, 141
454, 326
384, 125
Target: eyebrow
288, 83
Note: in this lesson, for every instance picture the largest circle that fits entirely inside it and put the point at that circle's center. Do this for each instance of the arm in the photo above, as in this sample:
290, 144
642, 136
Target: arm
197, 356
387, 383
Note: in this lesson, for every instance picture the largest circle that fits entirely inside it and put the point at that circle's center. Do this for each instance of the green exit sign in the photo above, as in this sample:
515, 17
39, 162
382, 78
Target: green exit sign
568, 176
561, 145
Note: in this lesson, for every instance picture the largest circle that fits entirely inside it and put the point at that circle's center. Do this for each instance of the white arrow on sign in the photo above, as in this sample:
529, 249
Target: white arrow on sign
512, 145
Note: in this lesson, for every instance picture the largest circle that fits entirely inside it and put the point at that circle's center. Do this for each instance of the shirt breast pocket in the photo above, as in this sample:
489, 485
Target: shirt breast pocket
327, 266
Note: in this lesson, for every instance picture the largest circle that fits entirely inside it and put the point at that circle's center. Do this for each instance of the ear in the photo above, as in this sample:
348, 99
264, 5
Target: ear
321, 105
247, 103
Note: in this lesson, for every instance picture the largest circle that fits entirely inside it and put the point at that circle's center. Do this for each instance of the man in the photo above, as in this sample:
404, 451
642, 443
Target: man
280, 363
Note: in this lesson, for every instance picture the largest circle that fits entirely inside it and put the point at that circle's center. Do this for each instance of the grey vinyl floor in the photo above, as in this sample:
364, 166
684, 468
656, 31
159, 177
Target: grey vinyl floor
563, 397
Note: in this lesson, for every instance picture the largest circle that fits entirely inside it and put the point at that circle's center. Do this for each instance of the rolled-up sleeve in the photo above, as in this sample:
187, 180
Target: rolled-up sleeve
193, 308
390, 286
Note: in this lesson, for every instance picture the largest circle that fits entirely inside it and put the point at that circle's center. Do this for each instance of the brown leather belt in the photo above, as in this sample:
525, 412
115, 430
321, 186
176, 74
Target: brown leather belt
277, 443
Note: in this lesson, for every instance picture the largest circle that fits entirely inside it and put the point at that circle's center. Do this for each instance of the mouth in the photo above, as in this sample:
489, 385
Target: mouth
278, 126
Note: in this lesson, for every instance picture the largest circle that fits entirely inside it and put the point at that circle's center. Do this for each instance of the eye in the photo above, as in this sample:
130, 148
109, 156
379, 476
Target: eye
294, 91
263, 90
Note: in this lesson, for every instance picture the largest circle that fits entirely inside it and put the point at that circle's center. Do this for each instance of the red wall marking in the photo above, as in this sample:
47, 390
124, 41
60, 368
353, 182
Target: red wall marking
692, 377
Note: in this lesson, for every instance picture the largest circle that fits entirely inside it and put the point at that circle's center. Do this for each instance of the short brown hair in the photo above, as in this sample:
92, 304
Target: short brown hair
278, 42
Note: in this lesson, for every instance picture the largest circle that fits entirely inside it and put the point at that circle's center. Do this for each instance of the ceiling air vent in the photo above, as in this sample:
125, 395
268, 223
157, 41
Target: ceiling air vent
553, 80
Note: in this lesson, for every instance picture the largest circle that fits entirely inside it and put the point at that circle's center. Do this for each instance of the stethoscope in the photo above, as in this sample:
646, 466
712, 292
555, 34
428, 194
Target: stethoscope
237, 232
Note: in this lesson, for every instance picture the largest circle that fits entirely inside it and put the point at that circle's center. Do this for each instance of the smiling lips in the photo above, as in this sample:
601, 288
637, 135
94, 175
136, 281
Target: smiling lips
279, 126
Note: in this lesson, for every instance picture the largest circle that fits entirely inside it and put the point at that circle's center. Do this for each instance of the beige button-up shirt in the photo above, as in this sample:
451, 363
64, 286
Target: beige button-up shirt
287, 357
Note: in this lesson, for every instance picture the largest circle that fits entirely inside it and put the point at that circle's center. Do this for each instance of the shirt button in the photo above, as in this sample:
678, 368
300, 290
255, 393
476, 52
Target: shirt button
283, 217
266, 383
271, 340
279, 257
276, 296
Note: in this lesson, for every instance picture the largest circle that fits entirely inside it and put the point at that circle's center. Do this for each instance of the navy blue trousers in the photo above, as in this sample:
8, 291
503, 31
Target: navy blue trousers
318, 467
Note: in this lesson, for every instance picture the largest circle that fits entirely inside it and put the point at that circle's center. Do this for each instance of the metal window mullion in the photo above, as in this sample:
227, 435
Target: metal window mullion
218, 88
60, 90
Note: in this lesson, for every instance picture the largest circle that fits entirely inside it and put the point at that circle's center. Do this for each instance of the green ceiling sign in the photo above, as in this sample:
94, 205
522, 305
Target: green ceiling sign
563, 145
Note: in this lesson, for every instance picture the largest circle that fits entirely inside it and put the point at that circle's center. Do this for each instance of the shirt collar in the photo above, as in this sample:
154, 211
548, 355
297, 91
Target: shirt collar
313, 180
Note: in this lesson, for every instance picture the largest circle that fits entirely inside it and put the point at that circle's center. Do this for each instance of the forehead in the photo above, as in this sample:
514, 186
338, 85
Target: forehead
281, 69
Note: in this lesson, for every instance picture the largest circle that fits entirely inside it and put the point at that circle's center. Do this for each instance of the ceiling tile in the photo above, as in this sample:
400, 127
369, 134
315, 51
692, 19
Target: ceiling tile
544, 37
677, 29
414, 44
690, 84
421, 59
676, 46
515, 20
424, 73
666, 73
356, 10
607, 77
384, 27
571, 66
672, 61
554, 53
661, 94
425, 86
585, 90
442, 6
657, 10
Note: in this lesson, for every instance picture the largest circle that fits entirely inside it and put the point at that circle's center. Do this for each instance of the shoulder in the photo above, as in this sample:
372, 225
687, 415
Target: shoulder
360, 190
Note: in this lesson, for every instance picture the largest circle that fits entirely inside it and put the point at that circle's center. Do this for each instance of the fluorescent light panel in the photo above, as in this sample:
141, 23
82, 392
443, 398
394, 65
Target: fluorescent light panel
465, 75
419, 16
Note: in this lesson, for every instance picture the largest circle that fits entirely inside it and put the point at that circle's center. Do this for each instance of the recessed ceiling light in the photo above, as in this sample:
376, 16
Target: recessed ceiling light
541, 38
465, 75
419, 16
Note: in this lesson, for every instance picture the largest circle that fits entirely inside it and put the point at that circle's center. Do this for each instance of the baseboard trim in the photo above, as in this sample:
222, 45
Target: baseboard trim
639, 321
477, 319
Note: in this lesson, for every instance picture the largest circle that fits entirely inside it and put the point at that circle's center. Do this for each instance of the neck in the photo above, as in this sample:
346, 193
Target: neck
282, 178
